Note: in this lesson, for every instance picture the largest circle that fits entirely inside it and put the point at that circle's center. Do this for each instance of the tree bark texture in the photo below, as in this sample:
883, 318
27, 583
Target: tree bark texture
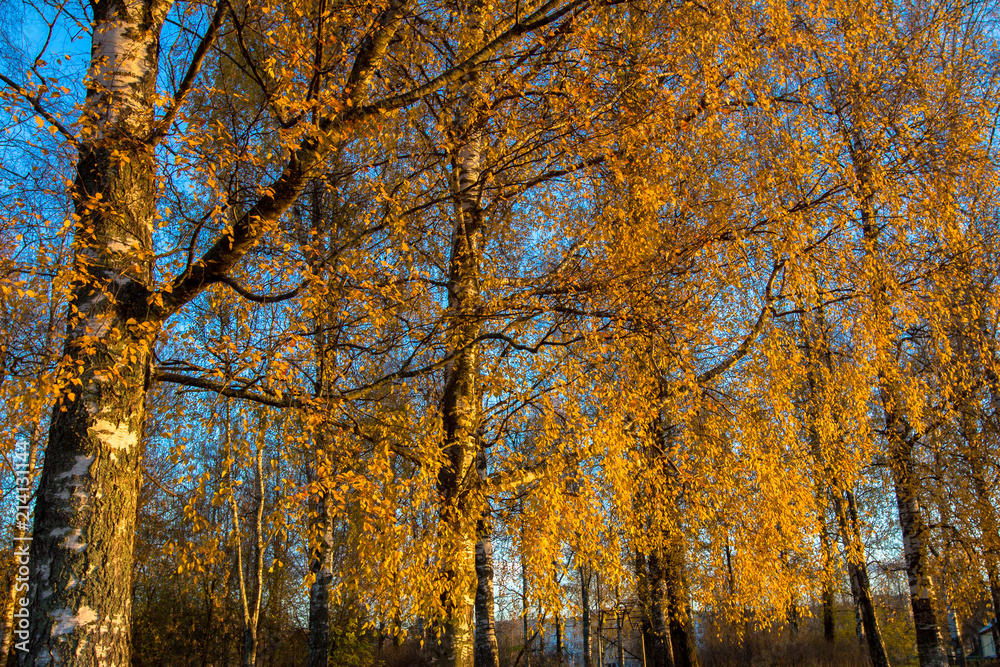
82, 548
321, 567
461, 413
859, 628
685, 647
930, 648
486, 654
461, 402
659, 647
585, 615
461, 405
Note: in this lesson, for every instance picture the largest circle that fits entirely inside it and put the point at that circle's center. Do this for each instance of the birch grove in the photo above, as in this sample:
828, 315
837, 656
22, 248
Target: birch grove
479, 335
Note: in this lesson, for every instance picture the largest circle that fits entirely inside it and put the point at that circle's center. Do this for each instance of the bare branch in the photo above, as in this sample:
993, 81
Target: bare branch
194, 67
256, 298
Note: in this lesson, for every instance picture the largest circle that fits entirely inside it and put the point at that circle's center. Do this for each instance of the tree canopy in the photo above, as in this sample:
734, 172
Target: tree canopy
319, 318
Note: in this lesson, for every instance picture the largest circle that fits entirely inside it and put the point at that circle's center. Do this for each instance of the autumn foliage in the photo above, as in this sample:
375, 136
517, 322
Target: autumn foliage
416, 331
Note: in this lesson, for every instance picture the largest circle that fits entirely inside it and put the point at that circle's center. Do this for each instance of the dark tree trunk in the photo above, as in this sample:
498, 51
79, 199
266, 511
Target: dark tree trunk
486, 654
930, 648
559, 640
844, 510
656, 603
524, 609
621, 640
321, 567
685, 646
857, 569
668, 608
209, 620
600, 622
829, 628
585, 615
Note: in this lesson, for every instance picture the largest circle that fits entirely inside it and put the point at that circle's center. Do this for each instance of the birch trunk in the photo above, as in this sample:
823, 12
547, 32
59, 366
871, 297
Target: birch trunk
321, 557
660, 649
82, 546
930, 648
955, 652
460, 412
956, 638
461, 408
461, 402
251, 591
321, 567
251, 638
988, 522
486, 654
859, 629
685, 648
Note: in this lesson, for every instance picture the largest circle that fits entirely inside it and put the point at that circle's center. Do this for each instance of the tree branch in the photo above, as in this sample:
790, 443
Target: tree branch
194, 67
256, 298
36, 104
